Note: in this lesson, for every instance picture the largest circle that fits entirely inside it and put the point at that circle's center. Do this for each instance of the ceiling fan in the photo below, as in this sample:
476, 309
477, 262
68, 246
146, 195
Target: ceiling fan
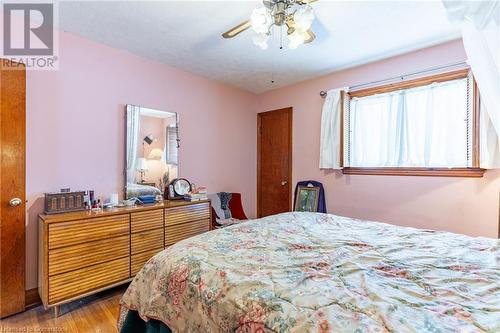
296, 16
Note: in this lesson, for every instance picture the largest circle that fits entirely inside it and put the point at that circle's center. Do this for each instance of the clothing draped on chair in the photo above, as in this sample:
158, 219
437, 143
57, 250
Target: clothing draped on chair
227, 209
225, 197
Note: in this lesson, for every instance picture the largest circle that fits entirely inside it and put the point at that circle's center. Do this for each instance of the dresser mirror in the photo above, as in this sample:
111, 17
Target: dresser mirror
151, 152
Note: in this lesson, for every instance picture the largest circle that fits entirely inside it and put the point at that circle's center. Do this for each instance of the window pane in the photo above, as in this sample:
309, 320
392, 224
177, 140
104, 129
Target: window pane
419, 127
374, 131
172, 150
437, 127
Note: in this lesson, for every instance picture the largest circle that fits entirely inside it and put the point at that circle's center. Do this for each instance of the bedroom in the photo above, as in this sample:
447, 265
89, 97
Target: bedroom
67, 123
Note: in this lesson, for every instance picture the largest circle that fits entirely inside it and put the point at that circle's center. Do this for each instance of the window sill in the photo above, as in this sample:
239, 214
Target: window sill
429, 172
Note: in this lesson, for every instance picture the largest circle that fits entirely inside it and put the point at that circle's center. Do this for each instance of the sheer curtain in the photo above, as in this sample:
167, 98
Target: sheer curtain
375, 134
329, 154
419, 127
480, 23
490, 148
133, 125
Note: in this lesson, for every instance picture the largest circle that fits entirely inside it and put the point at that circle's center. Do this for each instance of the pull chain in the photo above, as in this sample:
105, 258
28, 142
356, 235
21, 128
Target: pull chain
177, 139
273, 53
281, 37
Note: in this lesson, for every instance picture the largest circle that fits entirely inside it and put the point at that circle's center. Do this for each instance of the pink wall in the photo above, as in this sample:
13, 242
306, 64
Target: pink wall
462, 205
75, 126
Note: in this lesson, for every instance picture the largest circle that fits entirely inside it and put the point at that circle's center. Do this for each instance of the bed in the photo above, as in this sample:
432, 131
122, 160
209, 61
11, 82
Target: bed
136, 190
310, 272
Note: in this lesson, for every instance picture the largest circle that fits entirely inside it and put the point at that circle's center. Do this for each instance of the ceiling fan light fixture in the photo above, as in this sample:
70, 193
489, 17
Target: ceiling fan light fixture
294, 17
303, 18
261, 40
261, 20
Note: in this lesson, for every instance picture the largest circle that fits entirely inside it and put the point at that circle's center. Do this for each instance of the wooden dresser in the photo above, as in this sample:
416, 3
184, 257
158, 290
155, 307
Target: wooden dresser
82, 253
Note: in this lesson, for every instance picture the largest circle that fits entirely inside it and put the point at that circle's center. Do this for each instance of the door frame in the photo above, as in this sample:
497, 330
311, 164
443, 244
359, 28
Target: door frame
289, 111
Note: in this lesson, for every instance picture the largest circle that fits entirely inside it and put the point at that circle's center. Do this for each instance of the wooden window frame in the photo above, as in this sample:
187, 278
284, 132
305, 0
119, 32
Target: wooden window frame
474, 171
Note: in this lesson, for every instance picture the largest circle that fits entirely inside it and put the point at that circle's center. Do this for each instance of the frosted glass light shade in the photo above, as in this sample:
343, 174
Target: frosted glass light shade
296, 39
261, 20
303, 18
261, 41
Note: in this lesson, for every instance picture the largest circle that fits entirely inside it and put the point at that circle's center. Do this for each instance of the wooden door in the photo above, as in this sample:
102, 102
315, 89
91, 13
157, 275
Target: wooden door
12, 187
274, 162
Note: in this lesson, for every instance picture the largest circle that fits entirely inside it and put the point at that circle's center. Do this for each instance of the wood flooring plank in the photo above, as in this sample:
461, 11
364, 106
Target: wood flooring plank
94, 314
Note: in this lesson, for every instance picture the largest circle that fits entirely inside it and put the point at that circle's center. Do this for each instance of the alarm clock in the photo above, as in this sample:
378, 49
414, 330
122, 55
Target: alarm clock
178, 188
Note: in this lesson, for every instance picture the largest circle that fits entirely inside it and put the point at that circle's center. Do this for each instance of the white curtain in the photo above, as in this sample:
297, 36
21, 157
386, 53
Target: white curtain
133, 125
329, 155
419, 127
490, 147
480, 23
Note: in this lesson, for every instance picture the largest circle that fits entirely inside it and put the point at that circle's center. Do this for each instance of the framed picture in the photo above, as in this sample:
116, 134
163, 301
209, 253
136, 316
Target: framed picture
307, 198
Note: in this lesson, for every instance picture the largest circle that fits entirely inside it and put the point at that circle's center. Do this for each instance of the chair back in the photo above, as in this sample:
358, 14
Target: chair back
321, 199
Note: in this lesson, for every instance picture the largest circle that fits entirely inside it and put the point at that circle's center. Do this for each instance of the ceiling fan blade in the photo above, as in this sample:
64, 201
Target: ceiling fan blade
237, 29
312, 36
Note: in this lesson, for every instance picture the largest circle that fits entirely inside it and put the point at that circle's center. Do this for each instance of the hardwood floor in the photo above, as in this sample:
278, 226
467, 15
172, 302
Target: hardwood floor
93, 314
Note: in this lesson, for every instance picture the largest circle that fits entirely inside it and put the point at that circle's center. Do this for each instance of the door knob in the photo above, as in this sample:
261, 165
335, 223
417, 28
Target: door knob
15, 202
284, 182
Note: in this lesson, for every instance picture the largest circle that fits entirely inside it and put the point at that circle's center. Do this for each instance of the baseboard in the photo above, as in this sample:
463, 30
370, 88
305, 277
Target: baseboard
31, 298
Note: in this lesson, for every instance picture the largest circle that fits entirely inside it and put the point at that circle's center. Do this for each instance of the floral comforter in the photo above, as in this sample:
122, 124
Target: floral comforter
308, 272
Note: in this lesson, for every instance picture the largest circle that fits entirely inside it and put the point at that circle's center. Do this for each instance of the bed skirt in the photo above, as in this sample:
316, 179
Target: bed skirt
133, 323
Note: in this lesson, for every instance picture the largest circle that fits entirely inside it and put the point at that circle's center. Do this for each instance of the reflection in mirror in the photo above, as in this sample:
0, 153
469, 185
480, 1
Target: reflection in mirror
151, 152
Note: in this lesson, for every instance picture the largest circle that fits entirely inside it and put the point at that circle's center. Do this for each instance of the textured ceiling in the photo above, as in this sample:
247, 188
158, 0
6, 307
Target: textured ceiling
187, 35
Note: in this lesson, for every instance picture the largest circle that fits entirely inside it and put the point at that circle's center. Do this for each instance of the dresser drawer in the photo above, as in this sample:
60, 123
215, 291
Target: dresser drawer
73, 257
148, 220
138, 260
78, 282
178, 232
81, 231
187, 213
147, 240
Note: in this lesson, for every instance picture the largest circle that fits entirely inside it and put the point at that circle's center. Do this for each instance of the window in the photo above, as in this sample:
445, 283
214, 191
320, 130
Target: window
421, 127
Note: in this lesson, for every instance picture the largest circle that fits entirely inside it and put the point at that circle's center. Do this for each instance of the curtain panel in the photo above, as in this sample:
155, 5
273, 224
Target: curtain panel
133, 125
480, 24
330, 139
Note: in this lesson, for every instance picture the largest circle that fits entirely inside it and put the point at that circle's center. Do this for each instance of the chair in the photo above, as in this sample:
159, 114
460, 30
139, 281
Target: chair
235, 207
321, 199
